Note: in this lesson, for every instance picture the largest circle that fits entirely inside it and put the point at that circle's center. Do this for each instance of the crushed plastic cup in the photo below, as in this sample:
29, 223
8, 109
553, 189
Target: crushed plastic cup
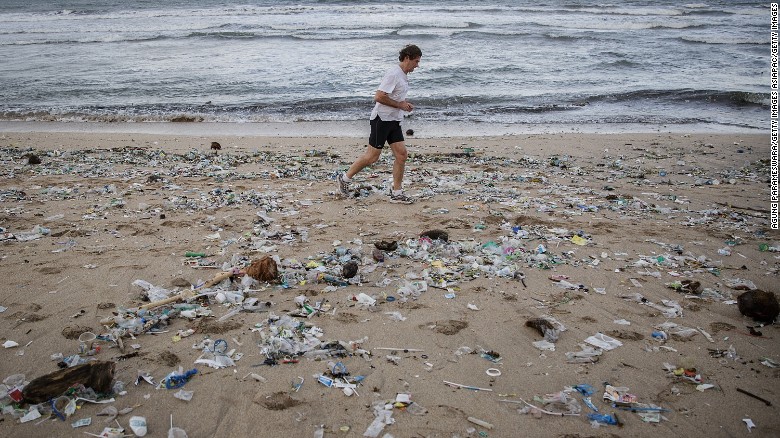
138, 425
176, 432
86, 341
14, 380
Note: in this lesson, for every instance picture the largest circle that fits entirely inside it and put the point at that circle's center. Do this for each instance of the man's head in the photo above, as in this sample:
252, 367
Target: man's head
411, 51
410, 58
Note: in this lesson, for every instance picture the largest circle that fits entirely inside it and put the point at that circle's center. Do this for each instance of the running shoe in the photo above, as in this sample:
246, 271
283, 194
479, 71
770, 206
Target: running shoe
343, 185
400, 198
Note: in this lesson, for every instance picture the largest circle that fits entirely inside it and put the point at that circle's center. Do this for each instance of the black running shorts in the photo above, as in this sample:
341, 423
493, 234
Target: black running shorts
385, 131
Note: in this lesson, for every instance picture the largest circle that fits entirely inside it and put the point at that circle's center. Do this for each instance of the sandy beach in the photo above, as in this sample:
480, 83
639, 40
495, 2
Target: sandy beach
640, 243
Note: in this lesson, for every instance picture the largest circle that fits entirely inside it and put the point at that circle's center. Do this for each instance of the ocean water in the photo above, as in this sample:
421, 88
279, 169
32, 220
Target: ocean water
516, 63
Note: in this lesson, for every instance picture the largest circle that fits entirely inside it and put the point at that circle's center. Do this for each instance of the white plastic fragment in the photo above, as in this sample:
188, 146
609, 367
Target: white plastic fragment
10, 344
32, 414
603, 341
365, 300
588, 354
403, 397
183, 395
544, 345
258, 377
706, 335
383, 414
396, 316
82, 422
109, 411
479, 422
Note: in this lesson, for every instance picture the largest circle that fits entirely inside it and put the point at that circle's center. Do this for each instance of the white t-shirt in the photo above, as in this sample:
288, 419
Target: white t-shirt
396, 86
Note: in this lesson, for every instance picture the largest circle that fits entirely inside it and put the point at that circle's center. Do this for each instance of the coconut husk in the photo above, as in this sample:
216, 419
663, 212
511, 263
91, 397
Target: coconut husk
760, 305
349, 269
436, 235
386, 245
263, 269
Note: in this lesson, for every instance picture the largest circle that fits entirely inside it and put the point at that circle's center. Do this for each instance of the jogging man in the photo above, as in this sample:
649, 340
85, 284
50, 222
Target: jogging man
385, 122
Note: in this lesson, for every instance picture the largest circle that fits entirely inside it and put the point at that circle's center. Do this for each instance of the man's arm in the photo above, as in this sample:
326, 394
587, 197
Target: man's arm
385, 99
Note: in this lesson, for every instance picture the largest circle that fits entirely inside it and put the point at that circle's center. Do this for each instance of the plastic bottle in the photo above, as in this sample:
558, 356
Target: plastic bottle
334, 280
118, 387
134, 325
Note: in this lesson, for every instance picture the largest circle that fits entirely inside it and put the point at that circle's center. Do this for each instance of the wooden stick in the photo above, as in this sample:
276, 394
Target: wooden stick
768, 403
191, 293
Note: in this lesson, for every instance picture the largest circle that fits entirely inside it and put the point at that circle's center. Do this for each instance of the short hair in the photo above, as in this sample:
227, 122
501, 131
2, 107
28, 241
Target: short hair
411, 51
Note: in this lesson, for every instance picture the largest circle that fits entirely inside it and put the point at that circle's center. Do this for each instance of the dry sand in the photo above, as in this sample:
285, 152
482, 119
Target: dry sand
652, 209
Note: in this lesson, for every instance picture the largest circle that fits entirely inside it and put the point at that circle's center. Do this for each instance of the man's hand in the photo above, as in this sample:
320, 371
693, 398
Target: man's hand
385, 99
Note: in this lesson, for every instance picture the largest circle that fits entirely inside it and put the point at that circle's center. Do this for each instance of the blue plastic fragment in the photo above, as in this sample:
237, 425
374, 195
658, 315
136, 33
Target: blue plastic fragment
603, 418
584, 389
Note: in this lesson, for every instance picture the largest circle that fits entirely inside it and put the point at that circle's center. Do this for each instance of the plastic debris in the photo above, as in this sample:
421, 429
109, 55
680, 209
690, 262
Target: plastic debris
603, 341
383, 416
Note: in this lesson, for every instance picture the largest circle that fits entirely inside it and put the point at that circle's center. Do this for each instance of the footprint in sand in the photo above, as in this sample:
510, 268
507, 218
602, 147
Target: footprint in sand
448, 327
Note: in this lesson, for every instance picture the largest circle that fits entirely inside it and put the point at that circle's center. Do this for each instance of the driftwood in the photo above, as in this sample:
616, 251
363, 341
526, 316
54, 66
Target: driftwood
97, 375
264, 269
190, 293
